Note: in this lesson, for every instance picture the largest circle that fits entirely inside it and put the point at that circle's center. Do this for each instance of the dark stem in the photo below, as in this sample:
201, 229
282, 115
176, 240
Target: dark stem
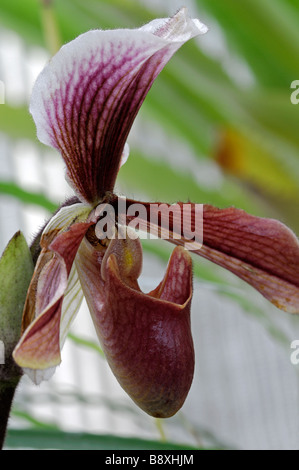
8, 388
6, 399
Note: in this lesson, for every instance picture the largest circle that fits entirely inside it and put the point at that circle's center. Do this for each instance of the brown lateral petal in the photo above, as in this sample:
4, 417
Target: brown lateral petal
39, 346
29, 310
146, 338
263, 252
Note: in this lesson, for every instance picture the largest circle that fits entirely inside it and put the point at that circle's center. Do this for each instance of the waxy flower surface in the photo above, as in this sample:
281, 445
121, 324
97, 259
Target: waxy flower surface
84, 103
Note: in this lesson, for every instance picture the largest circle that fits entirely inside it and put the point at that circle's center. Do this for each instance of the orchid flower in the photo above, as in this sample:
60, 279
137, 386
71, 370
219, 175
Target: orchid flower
84, 103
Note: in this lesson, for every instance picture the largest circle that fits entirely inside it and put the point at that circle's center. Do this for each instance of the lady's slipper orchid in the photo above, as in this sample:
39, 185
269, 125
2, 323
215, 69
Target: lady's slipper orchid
84, 103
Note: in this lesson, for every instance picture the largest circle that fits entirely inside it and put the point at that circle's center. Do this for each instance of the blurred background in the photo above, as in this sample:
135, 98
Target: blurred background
217, 127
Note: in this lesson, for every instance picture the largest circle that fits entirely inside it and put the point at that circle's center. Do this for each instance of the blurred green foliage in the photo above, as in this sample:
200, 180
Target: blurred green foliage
250, 131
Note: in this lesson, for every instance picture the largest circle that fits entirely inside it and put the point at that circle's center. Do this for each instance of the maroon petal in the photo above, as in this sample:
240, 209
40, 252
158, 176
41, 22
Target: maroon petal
85, 100
146, 338
263, 252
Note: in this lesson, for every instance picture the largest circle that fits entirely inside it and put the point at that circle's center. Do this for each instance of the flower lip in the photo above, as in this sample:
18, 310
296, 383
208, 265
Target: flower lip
158, 344
112, 265
146, 337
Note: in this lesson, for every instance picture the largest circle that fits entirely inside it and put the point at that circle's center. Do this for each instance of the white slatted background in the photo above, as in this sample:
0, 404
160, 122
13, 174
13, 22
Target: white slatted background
245, 389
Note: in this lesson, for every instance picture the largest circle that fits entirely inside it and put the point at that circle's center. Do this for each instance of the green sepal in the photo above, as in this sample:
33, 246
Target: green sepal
16, 270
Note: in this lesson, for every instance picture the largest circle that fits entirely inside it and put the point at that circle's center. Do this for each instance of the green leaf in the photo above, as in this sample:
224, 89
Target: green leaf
87, 343
27, 197
159, 181
29, 419
17, 122
73, 17
23, 17
16, 269
51, 439
265, 33
276, 129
